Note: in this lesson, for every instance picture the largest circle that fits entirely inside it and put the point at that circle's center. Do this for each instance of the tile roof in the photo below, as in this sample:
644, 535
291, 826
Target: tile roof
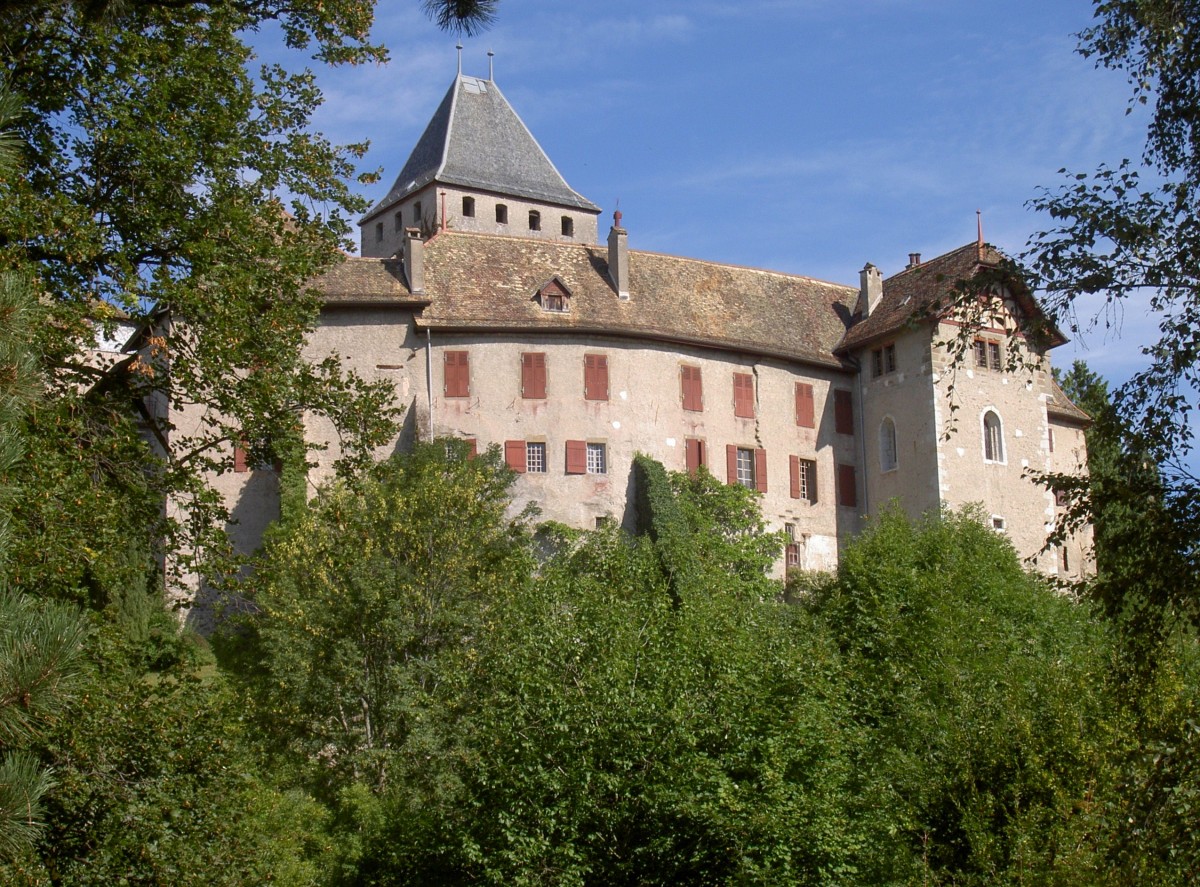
358, 281
923, 291
1062, 407
476, 140
480, 282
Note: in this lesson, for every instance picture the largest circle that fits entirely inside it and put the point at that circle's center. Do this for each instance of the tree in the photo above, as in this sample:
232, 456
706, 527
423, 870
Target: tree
990, 733
167, 179
1130, 235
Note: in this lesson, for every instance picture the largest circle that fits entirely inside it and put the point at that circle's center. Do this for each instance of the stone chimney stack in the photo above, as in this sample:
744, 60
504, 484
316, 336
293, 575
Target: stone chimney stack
414, 259
870, 290
618, 257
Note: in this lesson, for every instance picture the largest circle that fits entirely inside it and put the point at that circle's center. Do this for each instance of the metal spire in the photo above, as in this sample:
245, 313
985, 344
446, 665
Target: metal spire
491, 70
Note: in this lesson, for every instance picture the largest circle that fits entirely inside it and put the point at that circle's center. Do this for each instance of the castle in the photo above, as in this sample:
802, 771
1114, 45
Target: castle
484, 297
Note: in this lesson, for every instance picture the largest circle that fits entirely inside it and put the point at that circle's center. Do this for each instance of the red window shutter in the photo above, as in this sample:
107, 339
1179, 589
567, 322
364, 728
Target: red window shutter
514, 455
743, 395
595, 377
794, 471
805, 414
843, 411
693, 391
694, 453
472, 448
760, 470
731, 463
240, 465
576, 457
533, 375
847, 486
457, 374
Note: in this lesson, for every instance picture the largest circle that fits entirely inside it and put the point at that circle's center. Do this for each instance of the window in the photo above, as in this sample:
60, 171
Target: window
847, 486
379, 230
553, 295
997, 523
554, 302
457, 374
843, 411
1064, 561
792, 552
468, 208
535, 220
586, 458
883, 360
516, 455
993, 437
459, 447
535, 457
597, 458
240, 463
803, 478
746, 466
501, 214
691, 388
694, 454
417, 213
398, 221
988, 355
568, 226
887, 445
533, 375
595, 377
743, 395
1050, 437
1061, 499
805, 414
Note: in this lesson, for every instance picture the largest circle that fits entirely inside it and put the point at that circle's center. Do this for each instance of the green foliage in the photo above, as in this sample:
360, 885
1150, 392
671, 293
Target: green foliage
983, 693
360, 598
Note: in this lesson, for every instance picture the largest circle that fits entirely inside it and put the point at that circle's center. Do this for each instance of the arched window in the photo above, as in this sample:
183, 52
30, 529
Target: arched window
887, 445
535, 220
993, 437
501, 214
468, 207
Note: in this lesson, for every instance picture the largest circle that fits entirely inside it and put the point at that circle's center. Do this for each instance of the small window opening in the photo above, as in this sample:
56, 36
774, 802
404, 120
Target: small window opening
887, 445
379, 231
417, 213
468, 208
535, 220
568, 226
398, 220
501, 214
998, 523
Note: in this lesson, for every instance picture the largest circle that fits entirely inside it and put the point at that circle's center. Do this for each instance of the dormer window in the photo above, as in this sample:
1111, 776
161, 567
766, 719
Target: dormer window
535, 220
501, 214
568, 226
554, 296
468, 208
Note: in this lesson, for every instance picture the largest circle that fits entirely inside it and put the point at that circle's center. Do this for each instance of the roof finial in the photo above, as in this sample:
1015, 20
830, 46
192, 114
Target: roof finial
491, 70
458, 46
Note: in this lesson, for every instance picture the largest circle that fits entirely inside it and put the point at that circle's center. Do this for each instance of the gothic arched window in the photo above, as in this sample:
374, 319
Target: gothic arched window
993, 437
887, 445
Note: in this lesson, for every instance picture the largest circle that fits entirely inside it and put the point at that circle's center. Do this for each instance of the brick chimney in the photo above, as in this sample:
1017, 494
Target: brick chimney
618, 257
914, 259
870, 290
414, 259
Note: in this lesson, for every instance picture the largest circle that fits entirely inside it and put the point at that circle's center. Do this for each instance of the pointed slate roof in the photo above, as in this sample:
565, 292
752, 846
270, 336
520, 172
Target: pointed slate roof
476, 140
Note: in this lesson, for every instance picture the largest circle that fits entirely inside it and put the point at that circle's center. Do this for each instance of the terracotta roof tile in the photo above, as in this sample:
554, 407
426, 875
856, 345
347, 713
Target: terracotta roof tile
488, 282
357, 280
1062, 407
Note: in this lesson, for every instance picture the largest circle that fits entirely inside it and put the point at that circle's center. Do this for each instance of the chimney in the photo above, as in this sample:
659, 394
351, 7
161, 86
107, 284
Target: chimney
618, 257
414, 259
914, 259
870, 290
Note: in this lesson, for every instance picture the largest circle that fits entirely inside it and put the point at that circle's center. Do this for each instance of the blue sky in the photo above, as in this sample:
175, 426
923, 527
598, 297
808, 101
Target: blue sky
807, 136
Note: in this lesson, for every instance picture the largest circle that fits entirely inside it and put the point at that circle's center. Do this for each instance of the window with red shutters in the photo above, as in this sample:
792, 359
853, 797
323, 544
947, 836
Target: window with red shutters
805, 413
576, 457
457, 374
240, 464
743, 395
747, 467
693, 390
803, 478
847, 486
533, 375
843, 411
472, 448
595, 377
694, 454
514, 455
